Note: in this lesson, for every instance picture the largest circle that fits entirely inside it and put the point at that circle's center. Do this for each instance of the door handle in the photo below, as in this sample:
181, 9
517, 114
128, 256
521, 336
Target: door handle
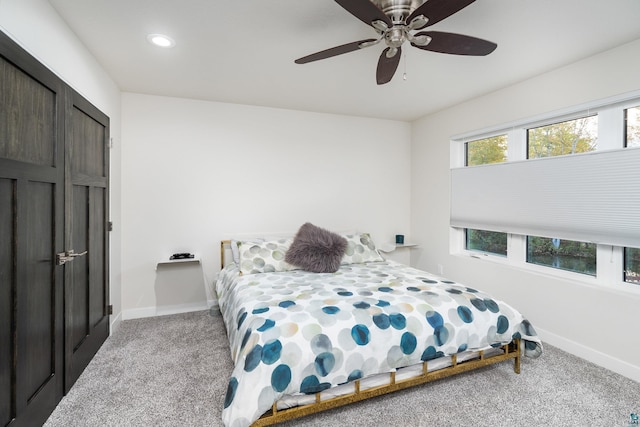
67, 256
71, 253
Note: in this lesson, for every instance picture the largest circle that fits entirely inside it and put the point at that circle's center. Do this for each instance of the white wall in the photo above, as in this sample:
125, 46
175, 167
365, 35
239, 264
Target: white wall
592, 322
38, 29
195, 172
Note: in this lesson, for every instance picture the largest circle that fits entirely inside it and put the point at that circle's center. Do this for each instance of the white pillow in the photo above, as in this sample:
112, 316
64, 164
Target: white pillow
360, 249
264, 257
235, 252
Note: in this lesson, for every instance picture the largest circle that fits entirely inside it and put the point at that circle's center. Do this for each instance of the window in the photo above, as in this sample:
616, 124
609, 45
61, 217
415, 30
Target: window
482, 152
492, 242
486, 151
632, 128
570, 137
523, 182
632, 265
567, 255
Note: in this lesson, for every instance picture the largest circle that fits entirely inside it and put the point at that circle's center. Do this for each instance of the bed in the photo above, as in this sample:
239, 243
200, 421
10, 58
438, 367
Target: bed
304, 341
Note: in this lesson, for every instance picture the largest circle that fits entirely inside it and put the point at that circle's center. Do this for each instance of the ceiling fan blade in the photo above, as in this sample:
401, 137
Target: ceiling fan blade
387, 66
437, 10
334, 51
456, 44
365, 11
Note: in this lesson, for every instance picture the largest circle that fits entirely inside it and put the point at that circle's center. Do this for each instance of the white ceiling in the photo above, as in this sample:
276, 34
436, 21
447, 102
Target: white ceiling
243, 51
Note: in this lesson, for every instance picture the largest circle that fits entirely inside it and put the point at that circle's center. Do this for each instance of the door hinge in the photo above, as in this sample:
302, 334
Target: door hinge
110, 226
110, 309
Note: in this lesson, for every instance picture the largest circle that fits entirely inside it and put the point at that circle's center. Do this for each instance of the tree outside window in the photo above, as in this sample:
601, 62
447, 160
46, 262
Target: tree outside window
632, 128
570, 255
486, 151
559, 139
632, 265
492, 242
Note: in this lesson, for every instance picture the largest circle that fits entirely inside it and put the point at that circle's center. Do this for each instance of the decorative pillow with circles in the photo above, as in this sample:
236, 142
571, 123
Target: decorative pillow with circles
264, 257
360, 248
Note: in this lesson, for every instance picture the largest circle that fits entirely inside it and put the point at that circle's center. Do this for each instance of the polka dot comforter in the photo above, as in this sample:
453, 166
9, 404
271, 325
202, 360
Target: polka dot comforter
299, 332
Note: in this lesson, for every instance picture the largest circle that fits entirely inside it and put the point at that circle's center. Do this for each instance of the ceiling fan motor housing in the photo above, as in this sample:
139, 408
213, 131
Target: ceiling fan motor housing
395, 37
398, 10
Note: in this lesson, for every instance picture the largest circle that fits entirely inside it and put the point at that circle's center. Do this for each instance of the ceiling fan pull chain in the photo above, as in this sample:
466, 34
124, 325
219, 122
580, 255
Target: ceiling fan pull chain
404, 75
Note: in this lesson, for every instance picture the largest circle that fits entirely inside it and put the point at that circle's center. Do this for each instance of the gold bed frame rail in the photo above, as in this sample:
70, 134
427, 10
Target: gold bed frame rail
223, 260
510, 351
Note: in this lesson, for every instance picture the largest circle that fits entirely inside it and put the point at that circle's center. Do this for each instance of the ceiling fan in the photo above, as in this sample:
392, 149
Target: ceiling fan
396, 21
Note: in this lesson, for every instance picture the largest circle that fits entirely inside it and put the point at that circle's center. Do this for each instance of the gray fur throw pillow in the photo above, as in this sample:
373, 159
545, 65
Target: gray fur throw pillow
316, 249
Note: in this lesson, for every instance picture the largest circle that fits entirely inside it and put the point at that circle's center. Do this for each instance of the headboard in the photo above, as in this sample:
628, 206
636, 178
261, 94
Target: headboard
225, 253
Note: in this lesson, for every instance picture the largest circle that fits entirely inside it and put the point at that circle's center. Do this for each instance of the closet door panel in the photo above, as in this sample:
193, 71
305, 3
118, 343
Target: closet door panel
97, 248
86, 284
77, 289
7, 289
36, 342
38, 303
32, 225
27, 117
87, 145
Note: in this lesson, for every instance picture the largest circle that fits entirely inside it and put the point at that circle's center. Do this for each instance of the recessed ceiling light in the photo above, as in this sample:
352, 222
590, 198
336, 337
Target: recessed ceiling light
161, 40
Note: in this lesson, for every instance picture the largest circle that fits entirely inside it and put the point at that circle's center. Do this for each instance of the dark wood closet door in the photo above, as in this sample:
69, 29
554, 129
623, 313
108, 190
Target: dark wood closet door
31, 233
86, 278
53, 199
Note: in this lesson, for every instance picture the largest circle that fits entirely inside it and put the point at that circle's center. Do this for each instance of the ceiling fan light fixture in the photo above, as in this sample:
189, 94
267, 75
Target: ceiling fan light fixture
161, 40
418, 22
380, 25
421, 40
391, 52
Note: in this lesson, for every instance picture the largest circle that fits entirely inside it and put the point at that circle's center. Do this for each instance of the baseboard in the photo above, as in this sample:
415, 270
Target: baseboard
139, 313
594, 356
115, 323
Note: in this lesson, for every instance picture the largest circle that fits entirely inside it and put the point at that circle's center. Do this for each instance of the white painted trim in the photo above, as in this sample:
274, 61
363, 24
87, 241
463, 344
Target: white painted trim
594, 356
624, 100
115, 323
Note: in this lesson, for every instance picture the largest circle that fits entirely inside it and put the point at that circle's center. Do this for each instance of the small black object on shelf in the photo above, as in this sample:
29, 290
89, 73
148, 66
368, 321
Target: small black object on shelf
183, 255
399, 239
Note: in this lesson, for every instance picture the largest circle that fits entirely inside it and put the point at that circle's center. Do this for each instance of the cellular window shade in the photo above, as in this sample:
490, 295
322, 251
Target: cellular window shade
592, 197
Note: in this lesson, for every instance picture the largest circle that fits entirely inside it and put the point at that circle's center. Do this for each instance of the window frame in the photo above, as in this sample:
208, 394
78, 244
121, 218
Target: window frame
483, 252
538, 126
611, 118
626, 122
623, 265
